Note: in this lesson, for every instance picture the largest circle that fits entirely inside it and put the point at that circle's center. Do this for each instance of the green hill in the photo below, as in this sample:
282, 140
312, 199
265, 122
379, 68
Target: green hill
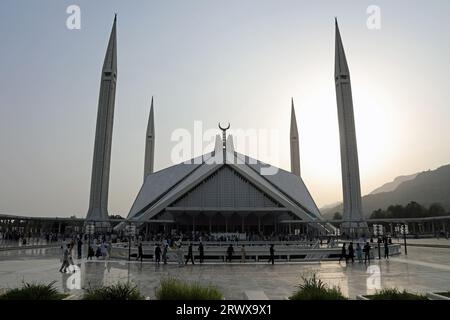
428, 187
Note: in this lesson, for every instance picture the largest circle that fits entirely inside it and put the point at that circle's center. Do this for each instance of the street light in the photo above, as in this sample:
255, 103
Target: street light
404, 231
378, 231
131, 230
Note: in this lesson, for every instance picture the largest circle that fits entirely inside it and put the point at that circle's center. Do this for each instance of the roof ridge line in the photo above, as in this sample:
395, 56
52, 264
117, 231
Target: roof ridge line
307, 211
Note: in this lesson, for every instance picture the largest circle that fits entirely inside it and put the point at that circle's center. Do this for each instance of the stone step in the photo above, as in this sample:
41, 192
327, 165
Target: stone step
255, 295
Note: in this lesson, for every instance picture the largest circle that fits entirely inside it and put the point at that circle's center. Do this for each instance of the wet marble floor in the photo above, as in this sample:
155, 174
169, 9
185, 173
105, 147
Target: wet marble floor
422, 270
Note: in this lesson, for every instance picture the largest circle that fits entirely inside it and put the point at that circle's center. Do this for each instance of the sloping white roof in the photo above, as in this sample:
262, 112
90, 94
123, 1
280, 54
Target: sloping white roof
162, 188
157, 183
289, 183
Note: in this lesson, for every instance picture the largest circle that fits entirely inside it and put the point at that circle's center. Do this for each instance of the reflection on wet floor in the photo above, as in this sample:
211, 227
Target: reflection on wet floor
413, 272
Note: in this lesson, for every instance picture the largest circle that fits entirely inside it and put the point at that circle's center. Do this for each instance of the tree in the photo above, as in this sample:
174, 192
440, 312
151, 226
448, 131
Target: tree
414, 210
337, 216
379, 214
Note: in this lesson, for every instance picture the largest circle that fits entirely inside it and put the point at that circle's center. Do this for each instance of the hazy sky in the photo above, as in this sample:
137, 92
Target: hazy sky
237, 61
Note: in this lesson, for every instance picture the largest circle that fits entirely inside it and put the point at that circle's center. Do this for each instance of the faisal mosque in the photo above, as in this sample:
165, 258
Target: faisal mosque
225, 190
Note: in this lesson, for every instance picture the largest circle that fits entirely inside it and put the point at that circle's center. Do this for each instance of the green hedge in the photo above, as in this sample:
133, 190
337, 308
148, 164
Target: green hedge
118, 291
173, 289
315, 289
34, 291
395, 294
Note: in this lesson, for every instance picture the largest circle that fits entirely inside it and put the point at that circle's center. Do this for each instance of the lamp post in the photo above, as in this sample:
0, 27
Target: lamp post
131, 230
378, 231
404, 231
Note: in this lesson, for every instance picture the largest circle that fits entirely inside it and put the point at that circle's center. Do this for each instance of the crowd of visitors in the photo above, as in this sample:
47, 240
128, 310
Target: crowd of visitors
364, 247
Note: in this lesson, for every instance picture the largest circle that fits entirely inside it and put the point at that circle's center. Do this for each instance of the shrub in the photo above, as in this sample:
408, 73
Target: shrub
315, 289
395, 294
173, 289
34, 291
118, 291
445, 294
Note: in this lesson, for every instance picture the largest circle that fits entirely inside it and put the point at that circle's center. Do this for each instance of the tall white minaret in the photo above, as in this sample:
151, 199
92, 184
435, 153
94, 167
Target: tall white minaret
295, 152
98, 203
349, 152
149, 144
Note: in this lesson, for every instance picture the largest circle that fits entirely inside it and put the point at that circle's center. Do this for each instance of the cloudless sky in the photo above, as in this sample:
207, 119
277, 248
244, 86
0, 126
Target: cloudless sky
206, 60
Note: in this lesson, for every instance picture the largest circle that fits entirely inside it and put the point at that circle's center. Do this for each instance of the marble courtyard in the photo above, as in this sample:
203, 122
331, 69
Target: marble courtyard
424, 269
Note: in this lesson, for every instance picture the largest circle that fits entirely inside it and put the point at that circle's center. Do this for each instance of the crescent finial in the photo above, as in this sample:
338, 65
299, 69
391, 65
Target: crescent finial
220, 127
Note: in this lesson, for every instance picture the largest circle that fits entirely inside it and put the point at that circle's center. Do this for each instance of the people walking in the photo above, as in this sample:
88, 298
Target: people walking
140, 252
104, 250
359, 252
201, 252
230, 252
386, 249
180, 254
91, 252
366, 252
190, 255
243, 253
79, 247
98, 252
351, 252
109, 249
157, 254
65, 260
164, 253
272, 254
343, 253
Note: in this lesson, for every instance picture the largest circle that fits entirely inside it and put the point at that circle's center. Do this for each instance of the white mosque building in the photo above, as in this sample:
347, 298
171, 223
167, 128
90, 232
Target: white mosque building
224, 190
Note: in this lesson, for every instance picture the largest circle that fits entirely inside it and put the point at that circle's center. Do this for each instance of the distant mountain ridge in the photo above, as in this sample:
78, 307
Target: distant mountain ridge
425, 188
391, 186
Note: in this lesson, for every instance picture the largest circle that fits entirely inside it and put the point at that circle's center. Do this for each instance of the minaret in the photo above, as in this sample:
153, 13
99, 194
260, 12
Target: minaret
295, 152
149, 144
349, 153
98, 204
